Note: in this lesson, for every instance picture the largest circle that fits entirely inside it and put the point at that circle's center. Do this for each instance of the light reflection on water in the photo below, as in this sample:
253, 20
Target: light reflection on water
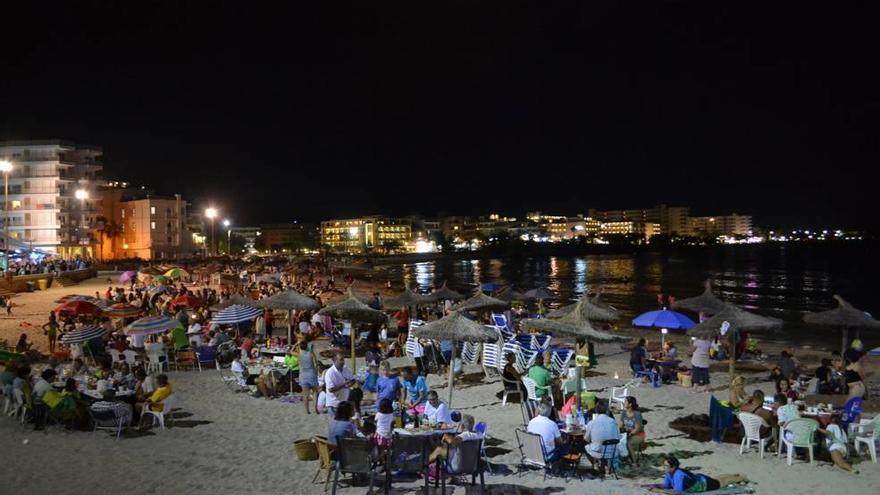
782, 282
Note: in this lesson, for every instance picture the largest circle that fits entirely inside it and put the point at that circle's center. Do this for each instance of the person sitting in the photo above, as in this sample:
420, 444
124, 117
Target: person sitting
632, 423
601, 428
783, 386
638, 357
436, 410
416, 391
162, 392
541, 424
788, 365
121, 410
540, 374
678, 480
836, 443
737, 394
449, 447
341, 425
247, 344
512, 376
44, 383
823, 378
238, 368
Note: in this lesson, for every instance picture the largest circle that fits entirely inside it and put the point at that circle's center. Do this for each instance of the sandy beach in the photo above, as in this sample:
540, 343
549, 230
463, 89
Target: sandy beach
226, 442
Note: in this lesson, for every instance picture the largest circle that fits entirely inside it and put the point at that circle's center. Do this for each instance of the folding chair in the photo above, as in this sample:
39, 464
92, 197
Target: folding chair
609, 453
531, 450
354, 456
326, 463
490, 361
185, 359
481, 428
409, 454
107, 420
470, 463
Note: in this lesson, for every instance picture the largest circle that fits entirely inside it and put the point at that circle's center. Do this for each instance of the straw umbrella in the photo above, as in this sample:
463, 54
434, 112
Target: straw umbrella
445, 294
353, 309
510, 295
457, 328
481, 302
730, 321
586, 310
407, 298
541, 293
845, 317
706, 302
289, 300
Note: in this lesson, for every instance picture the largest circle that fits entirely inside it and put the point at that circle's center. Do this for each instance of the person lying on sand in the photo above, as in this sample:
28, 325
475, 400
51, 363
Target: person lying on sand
678, 480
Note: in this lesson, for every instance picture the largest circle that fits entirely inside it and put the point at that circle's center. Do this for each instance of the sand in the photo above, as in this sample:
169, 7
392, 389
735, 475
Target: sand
226, 442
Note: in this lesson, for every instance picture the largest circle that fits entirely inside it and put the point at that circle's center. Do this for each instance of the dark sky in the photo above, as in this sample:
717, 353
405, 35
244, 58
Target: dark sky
281, 113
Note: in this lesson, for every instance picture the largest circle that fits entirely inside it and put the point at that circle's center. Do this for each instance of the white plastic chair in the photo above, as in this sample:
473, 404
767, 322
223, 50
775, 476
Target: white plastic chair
159, 416
154, 363
868, 435
618, 397
532, 387
115, 355
752, 426
803, 432
130, 357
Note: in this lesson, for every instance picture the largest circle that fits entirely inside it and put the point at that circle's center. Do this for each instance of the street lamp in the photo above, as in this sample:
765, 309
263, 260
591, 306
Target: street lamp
82, 195
6, 167
211, 213
226, 224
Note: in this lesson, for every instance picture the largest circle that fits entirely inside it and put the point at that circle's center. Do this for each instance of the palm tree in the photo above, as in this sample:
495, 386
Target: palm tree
108, 229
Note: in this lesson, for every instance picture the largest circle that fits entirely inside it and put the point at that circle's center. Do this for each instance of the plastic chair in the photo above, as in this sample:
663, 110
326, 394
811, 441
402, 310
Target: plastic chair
159, 416
154, 363
490, 360
115, 355
481, 428
618, 397
107, 420
606, 462
326, 464
354, 456
532, 388
531, 450
868, 434
752, 424
803, 433
130, 357
470, 463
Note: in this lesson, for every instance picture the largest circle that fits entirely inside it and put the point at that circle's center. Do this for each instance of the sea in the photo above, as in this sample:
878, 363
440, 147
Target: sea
784, 280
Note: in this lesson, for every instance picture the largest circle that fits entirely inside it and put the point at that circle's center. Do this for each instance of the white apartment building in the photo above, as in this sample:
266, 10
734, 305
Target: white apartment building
44, 212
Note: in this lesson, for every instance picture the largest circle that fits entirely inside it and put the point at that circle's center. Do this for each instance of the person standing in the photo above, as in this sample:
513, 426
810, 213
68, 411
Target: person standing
700, 364
337, 381
308, 375
51, 330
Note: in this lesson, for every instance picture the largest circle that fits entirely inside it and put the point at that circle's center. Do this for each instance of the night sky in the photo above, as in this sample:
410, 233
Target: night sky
281, 113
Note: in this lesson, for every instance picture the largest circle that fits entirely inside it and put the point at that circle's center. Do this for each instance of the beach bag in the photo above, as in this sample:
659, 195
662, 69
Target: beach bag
322, 402
52, 398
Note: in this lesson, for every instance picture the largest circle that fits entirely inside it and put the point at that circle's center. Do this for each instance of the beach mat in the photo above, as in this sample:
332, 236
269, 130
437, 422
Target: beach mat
729, 490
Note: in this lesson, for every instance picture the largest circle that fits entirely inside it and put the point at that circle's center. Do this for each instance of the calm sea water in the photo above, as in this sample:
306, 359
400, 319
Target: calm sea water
775, 280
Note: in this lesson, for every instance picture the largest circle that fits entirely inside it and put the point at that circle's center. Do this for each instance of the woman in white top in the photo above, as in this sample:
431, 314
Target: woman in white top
836, 441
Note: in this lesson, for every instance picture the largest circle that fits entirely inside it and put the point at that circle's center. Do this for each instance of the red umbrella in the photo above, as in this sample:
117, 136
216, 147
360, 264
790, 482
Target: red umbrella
187, 300
77, 308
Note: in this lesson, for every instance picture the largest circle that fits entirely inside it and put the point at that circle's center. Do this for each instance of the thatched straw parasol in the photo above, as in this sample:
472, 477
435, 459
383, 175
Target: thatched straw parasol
289, 300
445, 294
510, 295
572, 329
407, 298
541, 293
480, 301
586, 311
353, 309
845, 317
706, 302
457, 328
729, 322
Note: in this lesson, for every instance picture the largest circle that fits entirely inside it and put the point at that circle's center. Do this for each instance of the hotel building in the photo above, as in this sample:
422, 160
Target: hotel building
359, 235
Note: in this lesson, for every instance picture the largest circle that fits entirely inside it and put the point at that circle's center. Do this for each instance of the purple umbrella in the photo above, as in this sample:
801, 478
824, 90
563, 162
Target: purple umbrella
127, 276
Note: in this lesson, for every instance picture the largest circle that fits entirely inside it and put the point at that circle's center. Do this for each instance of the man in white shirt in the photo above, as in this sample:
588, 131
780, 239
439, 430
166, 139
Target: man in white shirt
44, 383
337, 381
449, 449
541, 424
194, 334
435, 410
601, 428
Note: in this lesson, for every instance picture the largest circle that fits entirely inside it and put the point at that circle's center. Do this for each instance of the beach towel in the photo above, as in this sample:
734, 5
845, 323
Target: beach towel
730, 490
720, 417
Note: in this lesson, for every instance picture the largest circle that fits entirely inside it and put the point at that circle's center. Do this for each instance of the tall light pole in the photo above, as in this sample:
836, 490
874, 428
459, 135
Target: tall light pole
226, 224
211, 213
6, 167
82, 195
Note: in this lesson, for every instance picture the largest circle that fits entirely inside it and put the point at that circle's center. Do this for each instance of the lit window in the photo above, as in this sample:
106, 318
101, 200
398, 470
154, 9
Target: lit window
152, 210
153, 225
123, 213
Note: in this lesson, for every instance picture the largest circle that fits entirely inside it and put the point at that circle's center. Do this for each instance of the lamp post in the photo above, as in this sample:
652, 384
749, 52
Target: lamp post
82, 195
211, 213
226, 224
6, 167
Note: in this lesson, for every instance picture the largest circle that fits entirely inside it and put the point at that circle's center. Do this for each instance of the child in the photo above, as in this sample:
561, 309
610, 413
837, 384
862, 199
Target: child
370, 384
384, 424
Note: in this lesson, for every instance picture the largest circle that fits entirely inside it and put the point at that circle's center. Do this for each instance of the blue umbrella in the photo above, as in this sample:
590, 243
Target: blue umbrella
81, 335
663, 318
236, 313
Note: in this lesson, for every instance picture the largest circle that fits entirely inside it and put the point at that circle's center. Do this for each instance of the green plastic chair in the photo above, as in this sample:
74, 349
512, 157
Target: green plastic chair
803, 433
